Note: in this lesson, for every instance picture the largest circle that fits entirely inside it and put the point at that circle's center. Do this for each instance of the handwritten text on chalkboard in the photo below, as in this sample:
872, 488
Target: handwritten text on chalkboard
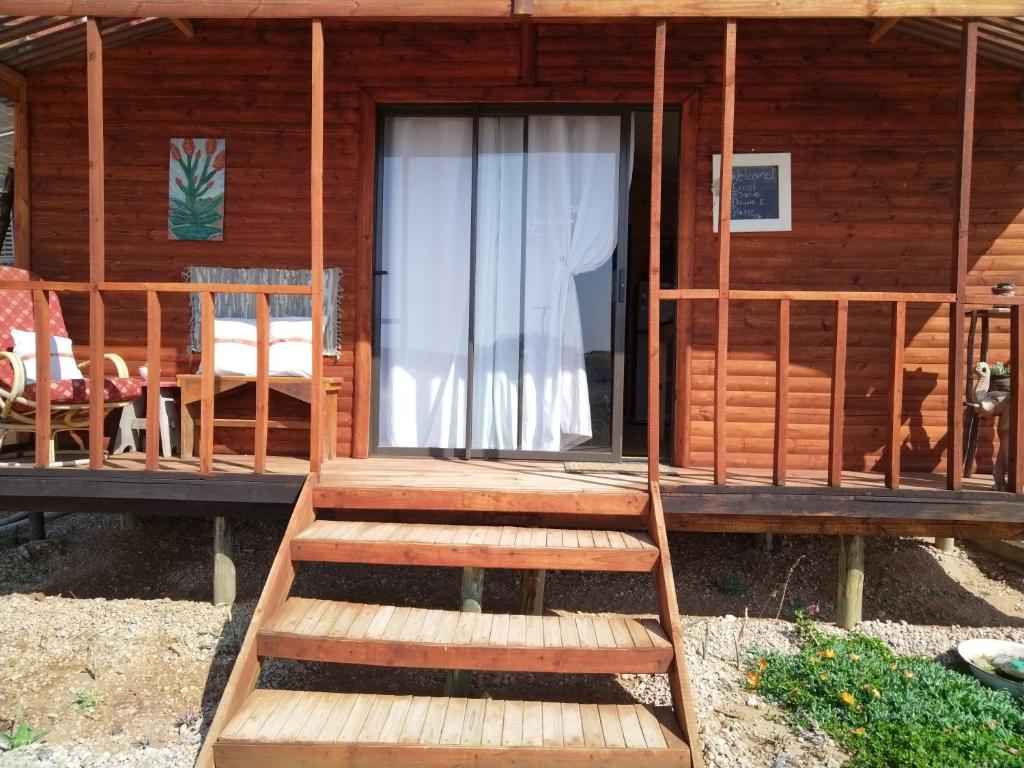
755, 192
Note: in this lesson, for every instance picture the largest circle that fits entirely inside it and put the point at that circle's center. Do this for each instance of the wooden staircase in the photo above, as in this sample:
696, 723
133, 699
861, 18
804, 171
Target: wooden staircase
263, 728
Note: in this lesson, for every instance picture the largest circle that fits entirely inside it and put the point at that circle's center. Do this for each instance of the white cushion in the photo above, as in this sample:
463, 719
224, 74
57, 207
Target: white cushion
291, 346
234, 347
62, 361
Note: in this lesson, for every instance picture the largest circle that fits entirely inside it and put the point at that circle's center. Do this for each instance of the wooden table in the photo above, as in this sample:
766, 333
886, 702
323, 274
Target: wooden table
296, 387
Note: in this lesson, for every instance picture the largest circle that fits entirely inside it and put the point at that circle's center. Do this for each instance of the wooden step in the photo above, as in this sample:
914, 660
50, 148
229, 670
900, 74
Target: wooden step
476, 546
383, 635
283, 729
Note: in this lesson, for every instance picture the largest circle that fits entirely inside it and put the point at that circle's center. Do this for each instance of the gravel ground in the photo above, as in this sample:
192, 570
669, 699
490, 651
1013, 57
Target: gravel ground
119, 616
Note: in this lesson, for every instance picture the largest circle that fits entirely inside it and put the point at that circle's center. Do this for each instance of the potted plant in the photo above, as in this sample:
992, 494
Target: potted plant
1003, 289
1000, 377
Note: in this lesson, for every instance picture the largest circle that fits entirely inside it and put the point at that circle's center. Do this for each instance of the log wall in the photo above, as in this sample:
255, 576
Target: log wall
872, 130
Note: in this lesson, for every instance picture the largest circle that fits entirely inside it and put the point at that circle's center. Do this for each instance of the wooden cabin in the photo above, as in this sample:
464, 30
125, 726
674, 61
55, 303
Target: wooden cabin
607, 269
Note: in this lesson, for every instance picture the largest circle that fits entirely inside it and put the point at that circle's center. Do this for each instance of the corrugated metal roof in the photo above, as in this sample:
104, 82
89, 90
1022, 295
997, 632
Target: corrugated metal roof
999, 40
30, 42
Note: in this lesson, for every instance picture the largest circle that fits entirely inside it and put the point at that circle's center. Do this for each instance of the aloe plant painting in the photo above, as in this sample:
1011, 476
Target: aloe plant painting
196, 190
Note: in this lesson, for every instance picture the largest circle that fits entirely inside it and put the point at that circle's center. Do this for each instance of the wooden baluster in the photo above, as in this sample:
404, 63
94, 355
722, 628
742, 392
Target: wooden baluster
153, 404
206, 385
654, 265
957, 377
838, 401
262, 381
782, 395
41, 309
316, 206
897, 343
724, 244
1016, 416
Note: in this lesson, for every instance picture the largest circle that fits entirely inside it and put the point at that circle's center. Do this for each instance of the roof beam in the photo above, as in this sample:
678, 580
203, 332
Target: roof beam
882, 28
184, 26
566, 9
12, 83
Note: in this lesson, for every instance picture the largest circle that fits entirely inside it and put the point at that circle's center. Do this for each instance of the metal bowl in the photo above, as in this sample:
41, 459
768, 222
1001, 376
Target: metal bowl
973, 650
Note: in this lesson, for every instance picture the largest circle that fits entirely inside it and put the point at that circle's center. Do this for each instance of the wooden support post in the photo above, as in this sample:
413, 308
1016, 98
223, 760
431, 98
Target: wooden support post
97, 239
850, 596
153, 404
223, 561
838, 400
957, 357
459, 680
44, 435
531, 592
316, 207
262, 382
129, 520
781, 395
22, 183
654, 264
897, 341
206, 386
36, 526
1015, 451
724, 245
682, 443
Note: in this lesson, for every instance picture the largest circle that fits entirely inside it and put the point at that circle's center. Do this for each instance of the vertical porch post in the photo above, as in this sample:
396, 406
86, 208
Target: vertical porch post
22, 178
957, 377
316, 207
957, 355
724, 245
654, 265
97, 225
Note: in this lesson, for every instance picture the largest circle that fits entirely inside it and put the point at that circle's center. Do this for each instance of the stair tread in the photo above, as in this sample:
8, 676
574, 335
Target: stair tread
357, 633
301, 718
475, 546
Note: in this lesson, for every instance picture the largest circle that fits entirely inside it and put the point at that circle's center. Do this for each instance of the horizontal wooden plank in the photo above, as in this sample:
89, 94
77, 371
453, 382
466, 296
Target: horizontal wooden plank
475, 546
280, 729
385, 635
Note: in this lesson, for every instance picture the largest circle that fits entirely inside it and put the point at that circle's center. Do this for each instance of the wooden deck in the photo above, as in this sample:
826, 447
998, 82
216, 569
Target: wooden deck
426, 489
124, 485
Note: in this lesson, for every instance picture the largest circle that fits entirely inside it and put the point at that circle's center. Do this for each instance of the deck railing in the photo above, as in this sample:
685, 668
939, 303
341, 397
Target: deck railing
152, 291
897, 307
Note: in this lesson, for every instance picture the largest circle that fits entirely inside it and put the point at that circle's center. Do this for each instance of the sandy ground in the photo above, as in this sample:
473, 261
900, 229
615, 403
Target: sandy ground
107, 643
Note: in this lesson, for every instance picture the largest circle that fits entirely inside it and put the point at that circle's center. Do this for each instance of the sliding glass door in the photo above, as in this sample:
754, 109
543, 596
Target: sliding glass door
499, 323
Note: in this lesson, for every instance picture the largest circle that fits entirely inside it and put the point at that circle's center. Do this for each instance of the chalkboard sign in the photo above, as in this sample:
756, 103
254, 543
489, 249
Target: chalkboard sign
760, 192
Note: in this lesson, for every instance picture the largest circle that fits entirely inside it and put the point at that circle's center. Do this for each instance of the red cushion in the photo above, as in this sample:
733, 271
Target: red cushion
16, 311
68, 391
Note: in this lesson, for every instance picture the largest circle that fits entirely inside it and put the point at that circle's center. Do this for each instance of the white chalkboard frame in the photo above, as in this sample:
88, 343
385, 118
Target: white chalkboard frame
782, 160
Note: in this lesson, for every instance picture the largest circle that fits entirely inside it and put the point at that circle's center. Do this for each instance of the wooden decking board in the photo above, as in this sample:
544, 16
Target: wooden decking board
417, 637
459, 731
479, 546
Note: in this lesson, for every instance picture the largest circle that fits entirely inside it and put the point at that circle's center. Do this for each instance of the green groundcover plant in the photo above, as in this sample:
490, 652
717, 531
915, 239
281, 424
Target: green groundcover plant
889, 710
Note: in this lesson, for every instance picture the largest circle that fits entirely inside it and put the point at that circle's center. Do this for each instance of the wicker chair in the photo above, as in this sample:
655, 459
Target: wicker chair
70, 399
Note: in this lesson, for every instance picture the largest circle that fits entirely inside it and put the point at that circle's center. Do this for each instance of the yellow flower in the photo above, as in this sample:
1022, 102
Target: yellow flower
859, 731
829, 654
762, 664
892, 666
847, 698
823, 676
907, 673
855, 657
753, 680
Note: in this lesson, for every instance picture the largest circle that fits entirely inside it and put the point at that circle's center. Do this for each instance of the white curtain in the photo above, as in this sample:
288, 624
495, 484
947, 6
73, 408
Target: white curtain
499, 259
425, 237
571, 226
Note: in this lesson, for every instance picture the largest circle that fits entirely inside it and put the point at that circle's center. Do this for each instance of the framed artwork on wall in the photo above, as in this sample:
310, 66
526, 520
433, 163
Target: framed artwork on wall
195, 204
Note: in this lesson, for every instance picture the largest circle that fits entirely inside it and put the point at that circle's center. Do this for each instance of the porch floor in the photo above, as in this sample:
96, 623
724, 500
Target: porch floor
422, 488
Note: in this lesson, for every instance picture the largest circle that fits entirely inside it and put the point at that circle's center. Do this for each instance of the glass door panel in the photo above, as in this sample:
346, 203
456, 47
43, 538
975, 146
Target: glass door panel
425, 230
